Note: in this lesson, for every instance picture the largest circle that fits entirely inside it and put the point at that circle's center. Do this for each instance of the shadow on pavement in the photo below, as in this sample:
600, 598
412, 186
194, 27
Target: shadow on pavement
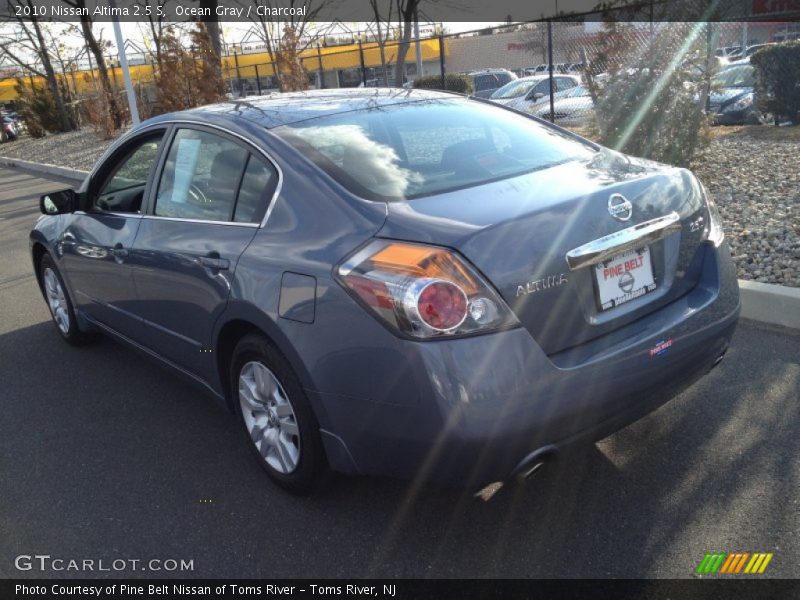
114, 456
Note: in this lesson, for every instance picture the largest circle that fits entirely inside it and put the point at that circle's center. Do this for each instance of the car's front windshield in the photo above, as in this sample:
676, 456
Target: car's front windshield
514, 89
415, 149
739, 76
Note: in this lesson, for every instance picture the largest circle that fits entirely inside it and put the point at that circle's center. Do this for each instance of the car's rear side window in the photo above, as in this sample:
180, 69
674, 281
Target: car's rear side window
484, 82
258, 183
421, 148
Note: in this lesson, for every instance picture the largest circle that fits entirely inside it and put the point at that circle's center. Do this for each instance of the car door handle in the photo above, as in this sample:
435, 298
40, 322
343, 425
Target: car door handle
215, 263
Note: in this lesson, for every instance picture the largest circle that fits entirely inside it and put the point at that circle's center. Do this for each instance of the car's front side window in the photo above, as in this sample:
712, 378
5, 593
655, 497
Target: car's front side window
123, 187
543, 87
201, 177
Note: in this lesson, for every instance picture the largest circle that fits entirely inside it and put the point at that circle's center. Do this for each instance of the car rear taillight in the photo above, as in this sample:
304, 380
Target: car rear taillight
713, 233
423, 291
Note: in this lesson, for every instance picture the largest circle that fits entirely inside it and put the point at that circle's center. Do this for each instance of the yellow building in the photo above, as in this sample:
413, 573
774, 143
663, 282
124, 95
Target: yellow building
329, 61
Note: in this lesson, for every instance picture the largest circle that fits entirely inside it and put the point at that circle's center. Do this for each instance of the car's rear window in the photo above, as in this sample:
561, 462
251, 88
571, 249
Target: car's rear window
416, 149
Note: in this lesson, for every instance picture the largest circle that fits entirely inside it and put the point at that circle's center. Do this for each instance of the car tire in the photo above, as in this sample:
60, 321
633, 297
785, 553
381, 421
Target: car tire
757, 117
60, 304
277, 417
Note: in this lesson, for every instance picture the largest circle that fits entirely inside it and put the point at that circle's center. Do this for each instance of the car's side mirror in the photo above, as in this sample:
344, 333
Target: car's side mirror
538, 96
58, 203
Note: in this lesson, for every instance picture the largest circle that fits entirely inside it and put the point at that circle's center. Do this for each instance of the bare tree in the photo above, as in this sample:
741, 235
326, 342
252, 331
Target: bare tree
212, 25
271, 29
406, 15
24, 40
58, 52
183, 78
382, 31
115, 110
155, 13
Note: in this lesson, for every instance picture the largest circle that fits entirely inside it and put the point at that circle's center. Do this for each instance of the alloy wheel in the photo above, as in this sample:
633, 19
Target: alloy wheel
269, 417
56, 300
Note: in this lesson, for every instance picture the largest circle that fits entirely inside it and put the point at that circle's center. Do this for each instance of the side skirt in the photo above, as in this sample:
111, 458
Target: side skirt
191, 377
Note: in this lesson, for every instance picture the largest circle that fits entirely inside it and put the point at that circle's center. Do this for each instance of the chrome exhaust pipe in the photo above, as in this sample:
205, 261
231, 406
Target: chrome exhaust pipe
719, 358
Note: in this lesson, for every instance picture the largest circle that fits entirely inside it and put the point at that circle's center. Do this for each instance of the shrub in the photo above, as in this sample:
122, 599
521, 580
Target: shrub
650, 103
778, 79
453, 82
187, 79
37, 108
209, 84
292, 72
95, 109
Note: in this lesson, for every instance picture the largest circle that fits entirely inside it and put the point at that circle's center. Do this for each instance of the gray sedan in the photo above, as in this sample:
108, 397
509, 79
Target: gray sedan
391, 282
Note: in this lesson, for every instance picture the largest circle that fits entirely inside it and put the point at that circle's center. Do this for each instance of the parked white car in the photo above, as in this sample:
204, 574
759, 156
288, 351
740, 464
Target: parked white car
573, 107
516, 89
539, 89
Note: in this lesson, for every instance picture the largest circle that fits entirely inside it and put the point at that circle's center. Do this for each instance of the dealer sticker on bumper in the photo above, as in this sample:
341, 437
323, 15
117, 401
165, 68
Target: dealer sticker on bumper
624, 277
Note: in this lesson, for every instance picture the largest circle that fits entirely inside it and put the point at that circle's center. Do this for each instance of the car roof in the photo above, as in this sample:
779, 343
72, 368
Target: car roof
277, 109
745, 62
482, 71
534, 77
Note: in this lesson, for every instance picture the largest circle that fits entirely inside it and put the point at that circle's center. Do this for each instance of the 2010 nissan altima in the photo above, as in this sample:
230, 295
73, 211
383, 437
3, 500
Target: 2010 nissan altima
393, 282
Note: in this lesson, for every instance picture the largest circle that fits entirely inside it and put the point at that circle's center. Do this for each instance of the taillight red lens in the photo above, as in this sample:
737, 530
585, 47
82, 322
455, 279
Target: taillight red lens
442, 305
423, 291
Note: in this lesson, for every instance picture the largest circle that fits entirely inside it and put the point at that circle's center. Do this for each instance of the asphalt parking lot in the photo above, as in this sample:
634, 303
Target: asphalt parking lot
104, 455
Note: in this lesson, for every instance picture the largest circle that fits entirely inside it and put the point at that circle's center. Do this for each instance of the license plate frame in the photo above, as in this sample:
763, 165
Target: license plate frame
623, 278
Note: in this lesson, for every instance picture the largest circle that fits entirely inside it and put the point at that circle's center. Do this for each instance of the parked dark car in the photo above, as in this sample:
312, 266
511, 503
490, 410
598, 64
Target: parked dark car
10, 129
732, 100
487, 81
391, 282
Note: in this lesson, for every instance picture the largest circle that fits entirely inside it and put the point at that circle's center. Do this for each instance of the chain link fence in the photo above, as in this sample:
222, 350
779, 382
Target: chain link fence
563, 66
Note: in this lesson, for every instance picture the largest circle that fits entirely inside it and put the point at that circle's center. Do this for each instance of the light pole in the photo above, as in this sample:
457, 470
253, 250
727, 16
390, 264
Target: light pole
123, 63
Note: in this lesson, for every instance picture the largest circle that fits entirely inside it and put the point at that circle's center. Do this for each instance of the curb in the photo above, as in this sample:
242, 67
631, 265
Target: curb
761, 302
769, 303
44, 169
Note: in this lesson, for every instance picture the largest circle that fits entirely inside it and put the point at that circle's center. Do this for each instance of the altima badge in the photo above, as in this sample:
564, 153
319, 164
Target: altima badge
551, 281
620, 207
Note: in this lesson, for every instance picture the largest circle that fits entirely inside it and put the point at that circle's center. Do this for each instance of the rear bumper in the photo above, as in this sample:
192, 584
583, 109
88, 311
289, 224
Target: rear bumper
494, 399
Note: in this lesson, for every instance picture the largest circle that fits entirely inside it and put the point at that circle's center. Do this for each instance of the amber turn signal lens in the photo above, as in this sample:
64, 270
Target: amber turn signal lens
423, 291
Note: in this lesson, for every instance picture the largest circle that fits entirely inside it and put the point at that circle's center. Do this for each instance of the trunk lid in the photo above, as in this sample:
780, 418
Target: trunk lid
518, 231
